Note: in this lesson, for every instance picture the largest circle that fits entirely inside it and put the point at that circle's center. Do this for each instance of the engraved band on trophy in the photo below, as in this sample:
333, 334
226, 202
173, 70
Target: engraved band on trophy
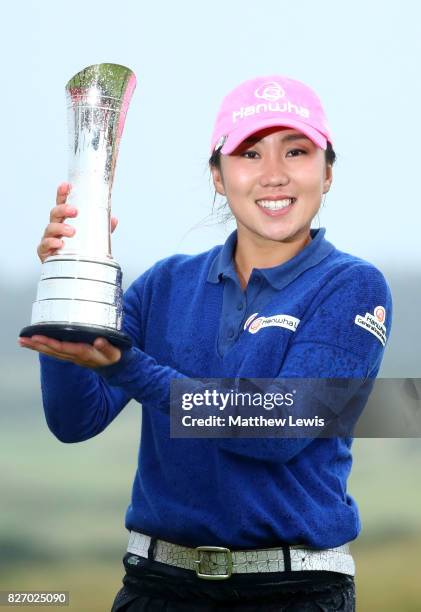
79, 294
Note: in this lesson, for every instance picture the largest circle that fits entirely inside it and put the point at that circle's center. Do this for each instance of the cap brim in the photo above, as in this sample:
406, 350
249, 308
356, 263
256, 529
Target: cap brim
241, 133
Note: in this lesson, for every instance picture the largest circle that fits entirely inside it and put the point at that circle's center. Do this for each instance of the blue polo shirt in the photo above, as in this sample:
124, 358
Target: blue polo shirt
239, 304
239, 493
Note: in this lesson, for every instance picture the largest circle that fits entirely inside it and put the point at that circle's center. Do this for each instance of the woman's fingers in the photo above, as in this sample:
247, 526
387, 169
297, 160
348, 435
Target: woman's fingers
58, 229
102, 353
79, 350
62, 192
110, 352
56, 346
48, 246
44, 347
51, 241
60, 212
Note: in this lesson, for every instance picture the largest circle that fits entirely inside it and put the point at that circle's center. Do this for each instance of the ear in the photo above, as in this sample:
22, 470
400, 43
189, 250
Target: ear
218, 180
328, 178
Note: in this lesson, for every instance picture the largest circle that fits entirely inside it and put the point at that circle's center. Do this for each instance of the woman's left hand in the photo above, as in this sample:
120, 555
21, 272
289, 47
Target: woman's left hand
100, 354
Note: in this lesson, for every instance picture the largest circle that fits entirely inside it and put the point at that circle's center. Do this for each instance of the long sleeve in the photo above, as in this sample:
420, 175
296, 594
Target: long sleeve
78, 402
298, 364
329, 344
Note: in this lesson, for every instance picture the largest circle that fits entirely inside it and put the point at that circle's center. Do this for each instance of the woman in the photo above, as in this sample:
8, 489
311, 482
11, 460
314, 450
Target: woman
216, 314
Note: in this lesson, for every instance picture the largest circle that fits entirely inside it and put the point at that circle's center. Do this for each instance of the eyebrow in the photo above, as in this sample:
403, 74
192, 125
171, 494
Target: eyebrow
287, 138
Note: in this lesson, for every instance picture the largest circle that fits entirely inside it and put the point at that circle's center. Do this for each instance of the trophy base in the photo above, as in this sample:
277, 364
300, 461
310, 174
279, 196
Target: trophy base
77, 333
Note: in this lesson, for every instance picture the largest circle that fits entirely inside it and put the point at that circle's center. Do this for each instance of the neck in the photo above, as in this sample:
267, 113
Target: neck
253, 251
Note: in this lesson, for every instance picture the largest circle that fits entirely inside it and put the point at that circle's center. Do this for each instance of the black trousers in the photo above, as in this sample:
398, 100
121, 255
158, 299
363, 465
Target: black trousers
156, 587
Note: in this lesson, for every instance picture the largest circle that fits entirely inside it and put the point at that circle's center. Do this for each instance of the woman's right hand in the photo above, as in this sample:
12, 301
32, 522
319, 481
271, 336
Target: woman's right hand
52, 241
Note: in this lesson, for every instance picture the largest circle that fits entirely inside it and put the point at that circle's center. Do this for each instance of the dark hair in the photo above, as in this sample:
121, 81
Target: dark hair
330, 157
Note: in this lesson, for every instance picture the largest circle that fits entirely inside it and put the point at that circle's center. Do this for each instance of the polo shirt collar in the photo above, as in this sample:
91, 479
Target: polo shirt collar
278, 276
223, 264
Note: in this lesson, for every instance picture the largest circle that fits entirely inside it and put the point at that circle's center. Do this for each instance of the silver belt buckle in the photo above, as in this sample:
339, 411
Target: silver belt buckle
228, 561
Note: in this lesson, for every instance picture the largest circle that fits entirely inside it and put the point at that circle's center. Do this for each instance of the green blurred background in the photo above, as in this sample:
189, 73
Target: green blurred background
63, 511
63, 505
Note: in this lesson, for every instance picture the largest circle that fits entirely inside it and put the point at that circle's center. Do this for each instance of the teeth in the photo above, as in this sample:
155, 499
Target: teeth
275, 204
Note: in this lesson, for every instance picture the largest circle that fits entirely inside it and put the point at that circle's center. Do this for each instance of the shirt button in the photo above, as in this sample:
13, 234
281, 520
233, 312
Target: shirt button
231, 333
240, 306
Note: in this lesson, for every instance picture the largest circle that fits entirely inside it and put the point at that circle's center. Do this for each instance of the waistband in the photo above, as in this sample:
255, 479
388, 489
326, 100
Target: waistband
219, 563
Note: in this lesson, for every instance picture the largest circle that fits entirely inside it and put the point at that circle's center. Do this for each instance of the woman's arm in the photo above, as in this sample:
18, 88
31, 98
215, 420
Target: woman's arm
314, 353
78, 402
328, 344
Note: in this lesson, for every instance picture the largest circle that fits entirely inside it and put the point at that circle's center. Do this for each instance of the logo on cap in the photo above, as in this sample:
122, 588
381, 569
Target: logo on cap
271, 91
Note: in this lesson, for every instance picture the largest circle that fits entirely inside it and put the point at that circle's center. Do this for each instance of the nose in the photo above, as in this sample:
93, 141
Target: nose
274, 172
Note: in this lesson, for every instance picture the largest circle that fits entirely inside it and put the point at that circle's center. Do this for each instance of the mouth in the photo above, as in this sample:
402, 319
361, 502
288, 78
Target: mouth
274, 206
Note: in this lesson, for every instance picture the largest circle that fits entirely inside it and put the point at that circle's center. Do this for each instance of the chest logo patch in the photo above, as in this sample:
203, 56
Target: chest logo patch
253, 324
374, 323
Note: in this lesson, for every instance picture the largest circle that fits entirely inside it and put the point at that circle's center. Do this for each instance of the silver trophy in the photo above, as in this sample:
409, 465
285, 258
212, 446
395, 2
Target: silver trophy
80, 294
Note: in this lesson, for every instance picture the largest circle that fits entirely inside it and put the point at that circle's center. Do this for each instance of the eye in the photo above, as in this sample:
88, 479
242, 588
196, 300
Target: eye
250, 154
297, 151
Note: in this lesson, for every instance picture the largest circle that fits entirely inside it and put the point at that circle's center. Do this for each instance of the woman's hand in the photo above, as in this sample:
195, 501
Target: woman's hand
57, 229
100, 354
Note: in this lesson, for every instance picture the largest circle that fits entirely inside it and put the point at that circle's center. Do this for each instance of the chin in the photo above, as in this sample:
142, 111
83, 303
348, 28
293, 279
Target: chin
279, 234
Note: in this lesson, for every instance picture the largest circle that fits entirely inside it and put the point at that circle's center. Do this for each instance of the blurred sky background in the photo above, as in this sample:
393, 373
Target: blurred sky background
362, 58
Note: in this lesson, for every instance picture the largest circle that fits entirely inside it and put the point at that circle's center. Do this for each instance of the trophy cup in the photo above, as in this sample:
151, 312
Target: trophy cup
80, 294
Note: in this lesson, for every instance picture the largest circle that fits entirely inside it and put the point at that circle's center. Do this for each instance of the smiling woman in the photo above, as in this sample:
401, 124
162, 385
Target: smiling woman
274, 190
236, 523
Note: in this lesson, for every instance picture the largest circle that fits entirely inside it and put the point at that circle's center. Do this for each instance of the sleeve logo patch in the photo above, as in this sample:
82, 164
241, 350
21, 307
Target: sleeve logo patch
374, 323
253, 325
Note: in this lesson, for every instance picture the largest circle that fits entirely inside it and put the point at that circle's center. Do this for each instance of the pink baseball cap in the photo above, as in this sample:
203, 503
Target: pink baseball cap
268, 102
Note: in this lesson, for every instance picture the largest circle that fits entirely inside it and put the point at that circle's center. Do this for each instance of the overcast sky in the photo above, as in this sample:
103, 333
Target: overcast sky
362, 58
